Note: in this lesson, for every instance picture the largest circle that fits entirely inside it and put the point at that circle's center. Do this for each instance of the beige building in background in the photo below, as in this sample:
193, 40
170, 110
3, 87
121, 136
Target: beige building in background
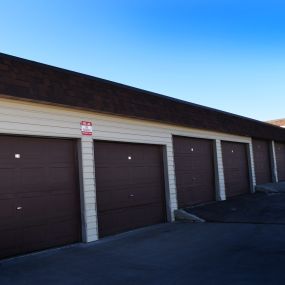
278, 122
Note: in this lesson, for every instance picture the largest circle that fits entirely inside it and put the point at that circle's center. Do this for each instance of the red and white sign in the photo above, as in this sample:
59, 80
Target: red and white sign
86, 128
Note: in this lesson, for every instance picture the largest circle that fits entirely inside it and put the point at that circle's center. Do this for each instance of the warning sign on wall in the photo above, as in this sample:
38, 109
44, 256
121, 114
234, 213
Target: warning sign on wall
86, 128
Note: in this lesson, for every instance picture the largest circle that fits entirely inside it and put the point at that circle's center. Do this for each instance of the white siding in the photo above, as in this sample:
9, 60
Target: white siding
19, 117
252, 176
88, 193
220, 188
274, 161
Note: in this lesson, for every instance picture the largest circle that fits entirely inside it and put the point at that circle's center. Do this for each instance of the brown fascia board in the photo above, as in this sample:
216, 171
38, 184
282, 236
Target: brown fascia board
28, 80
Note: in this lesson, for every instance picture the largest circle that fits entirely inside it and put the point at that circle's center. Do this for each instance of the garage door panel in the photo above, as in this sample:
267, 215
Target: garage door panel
7, 180
194, 193
63, 205
35, 235
198, 195
9, 239
6, 154
236, 175
114, 221
280, 159
194, 169
32, 179
141, 174
63, 231
142, 197
114, 199
236, 189
123, 220
55, 232
128, 176
185, 164
189, 163
8, 216
51, 205
59, 176
182, 145
9, 242
137, 155
57, 152
236, 170
35, 149
152, 156
146, 215
108, 153
128, 197
190, 180
152, 173
41, 186
34, 210
120, 176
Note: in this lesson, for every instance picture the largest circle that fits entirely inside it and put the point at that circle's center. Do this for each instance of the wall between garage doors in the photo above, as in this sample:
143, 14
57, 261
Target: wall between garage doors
25, 118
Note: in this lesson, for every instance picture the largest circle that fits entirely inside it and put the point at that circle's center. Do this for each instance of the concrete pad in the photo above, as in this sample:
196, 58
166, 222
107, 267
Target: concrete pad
256, 208
271, 187
181, 215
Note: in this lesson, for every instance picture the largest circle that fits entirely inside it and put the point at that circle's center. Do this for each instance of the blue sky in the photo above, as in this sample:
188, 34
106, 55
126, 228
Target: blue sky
228, 55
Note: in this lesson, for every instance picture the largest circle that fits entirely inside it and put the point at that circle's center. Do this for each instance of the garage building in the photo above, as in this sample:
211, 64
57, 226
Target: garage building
146, 156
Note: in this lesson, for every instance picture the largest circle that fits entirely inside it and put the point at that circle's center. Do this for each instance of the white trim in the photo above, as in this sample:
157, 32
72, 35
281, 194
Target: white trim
89, 204
251, 167
274, 161
220, 178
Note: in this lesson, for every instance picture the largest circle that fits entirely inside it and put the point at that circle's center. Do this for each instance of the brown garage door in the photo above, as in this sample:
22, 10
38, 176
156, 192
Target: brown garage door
194, 169
39, 195
280, 158
235, 168
262, 162
130, 186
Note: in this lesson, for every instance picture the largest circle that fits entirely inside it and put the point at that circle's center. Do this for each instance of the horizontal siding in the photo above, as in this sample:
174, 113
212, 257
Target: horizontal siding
274, 161
252, 168
17, 117
64, 118
89, 193
221, 195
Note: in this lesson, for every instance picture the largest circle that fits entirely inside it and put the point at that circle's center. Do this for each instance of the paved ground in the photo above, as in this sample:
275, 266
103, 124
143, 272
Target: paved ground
252, 208
179, 253
271, 187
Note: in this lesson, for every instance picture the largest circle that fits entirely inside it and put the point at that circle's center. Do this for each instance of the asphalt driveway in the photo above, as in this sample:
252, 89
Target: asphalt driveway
256, 208
178, 253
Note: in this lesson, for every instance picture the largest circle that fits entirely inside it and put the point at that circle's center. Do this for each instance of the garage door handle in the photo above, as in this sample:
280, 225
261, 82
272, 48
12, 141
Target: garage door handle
19, 208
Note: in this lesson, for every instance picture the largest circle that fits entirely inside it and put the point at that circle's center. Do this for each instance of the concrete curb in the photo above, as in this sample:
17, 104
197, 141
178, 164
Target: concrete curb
266, 190
271, 188
182, 215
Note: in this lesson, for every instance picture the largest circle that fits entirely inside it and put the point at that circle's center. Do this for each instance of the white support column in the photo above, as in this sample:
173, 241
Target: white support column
88, 193
219, 170
251, 168
273, 162
172, 194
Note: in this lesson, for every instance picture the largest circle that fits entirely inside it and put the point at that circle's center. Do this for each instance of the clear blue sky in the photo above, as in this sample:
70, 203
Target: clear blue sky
226, 54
